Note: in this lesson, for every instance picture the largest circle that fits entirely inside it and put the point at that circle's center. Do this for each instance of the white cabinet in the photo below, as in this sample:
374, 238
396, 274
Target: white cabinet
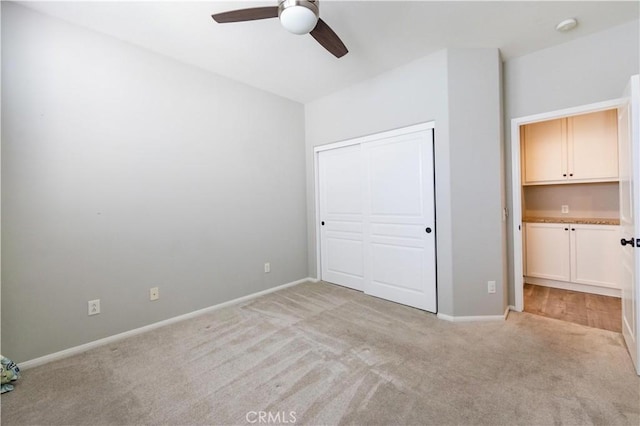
582, 148
593, 146
595, 255
544, 151
582, 254
547, 248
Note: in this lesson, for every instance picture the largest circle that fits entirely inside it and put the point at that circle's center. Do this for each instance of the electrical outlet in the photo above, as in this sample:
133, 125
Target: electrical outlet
565, 208
267, 267
94, 307
154, 293
491, 286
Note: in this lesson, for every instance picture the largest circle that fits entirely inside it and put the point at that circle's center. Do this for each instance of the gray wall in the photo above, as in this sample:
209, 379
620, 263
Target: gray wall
587, 70
460, 82
123, 170
475, 137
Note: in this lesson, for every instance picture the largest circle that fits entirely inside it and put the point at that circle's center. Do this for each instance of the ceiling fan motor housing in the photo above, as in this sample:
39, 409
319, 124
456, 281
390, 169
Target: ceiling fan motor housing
298, 16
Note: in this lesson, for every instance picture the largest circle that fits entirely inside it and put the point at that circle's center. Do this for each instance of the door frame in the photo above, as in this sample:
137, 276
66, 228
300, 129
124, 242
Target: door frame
516, 183
348, 142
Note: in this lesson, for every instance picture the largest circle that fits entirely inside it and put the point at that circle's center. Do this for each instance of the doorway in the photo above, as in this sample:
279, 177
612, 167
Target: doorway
628, 108
571, 218
560, 266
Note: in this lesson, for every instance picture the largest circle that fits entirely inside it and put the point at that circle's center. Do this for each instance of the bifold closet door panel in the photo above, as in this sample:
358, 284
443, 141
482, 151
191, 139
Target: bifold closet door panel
341, 200
399, 219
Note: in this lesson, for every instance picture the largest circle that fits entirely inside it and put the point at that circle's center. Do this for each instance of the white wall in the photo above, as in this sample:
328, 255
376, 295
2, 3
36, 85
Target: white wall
586, 70
460, 82
123, 170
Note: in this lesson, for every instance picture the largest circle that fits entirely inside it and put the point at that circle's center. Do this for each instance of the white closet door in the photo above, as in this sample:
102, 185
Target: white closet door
341, 198
400, 219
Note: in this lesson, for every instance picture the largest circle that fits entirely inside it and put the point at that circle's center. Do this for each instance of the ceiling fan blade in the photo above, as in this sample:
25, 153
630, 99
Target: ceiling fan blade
251, 14
328, 39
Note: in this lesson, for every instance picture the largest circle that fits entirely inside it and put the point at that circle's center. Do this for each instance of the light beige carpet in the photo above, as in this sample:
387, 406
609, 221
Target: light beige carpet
335, 356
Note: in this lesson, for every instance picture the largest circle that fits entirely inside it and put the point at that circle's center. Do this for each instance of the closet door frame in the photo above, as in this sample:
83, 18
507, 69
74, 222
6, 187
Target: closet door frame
348, 142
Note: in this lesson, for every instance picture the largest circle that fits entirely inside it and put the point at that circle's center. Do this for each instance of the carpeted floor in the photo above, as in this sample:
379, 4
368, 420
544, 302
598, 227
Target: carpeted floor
322, 354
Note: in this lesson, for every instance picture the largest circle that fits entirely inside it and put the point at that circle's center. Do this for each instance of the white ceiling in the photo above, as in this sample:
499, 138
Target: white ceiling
380, 35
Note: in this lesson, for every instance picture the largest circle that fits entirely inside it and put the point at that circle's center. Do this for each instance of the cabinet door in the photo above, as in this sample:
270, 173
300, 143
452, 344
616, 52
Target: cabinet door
593, 146
547, 248
544, 151
595, 255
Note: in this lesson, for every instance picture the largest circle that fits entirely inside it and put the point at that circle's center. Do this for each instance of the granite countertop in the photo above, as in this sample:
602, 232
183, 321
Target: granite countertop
576, 220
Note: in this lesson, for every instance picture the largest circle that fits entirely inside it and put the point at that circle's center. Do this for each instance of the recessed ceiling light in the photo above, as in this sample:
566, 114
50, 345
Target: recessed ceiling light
567, 25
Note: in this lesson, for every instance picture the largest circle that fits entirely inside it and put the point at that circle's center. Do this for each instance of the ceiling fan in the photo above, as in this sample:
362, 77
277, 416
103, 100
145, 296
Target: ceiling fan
297, 16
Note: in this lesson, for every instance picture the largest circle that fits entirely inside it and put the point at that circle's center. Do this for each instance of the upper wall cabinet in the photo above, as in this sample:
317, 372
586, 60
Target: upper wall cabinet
582, 148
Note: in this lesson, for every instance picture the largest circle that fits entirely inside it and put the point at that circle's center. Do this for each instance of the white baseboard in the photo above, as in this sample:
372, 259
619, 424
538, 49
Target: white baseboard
506, 312
513, 308
583, 288
104, 341
474, 318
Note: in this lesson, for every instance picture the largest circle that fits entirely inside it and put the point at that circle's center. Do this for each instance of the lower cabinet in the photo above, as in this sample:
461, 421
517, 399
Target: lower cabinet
575, 253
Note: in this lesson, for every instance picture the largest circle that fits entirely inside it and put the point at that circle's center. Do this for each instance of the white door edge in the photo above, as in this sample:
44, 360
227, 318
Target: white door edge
631, 317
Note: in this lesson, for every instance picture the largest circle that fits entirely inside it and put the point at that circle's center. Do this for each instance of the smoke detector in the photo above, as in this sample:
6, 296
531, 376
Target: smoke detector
567, 25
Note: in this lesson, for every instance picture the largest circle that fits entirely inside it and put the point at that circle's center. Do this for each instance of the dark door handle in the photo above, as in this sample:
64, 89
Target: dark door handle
322, 223
428, 230
630, 241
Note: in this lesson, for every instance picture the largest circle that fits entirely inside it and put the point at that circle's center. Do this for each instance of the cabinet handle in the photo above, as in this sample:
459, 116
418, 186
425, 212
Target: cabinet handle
573, 229
564, 175
566, 229
570, 174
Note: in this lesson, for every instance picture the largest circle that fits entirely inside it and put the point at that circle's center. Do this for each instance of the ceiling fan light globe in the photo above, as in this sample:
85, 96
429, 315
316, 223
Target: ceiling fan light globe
298, 19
